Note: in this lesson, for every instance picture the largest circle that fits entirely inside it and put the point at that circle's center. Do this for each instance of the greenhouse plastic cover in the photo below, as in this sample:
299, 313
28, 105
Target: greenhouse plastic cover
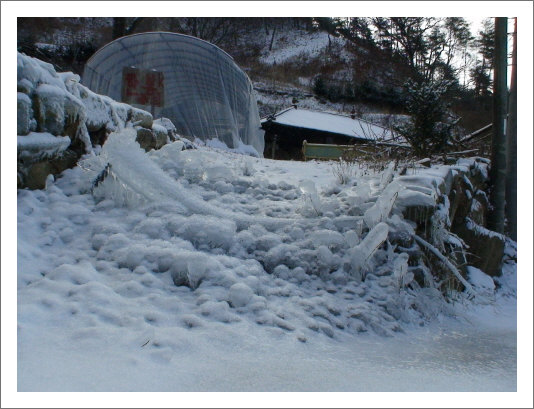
206, 94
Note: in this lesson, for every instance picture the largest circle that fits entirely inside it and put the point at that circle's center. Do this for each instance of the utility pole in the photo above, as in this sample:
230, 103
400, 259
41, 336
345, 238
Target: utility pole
498, 144
511, 151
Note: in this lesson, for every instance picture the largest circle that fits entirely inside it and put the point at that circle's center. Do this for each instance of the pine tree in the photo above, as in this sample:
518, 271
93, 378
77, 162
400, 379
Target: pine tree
429, 130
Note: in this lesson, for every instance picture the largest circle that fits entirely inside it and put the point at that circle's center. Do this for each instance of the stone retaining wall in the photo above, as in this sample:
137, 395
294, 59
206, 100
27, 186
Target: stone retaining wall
54, 107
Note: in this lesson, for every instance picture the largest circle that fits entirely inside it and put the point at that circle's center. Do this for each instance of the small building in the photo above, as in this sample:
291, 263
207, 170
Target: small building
286, 131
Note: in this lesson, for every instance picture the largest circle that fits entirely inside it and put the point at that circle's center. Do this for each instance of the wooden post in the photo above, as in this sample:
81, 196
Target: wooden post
498, 145
273, 147
511, 151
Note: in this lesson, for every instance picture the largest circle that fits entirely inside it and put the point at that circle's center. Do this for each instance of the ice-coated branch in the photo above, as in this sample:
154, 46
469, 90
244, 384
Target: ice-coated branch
363, 252
469, 289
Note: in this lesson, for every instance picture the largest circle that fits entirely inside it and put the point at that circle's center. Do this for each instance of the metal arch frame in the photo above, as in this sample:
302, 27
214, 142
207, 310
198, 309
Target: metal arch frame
197, 72
161, 33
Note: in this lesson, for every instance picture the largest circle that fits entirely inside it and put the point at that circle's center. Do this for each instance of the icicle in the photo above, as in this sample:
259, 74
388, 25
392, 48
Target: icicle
381, 209
362, 253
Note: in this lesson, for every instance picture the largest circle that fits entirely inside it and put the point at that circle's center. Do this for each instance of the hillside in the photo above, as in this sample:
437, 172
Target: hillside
283, 58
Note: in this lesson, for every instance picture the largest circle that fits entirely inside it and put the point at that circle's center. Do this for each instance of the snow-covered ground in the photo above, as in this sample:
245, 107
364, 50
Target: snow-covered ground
205, 270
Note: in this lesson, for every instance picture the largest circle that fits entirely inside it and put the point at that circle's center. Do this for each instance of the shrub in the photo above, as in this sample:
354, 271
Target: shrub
344, 170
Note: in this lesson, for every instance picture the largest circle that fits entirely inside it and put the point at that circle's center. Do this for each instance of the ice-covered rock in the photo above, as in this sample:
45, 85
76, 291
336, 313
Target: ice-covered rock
24, 113
41, 145
142, 118
240, 295
37, 72
161, 135
208, 231
479, 280
97, 111
50, 108
329, 238
146, 139
167, 125
24, 86
486, 247
189, 268
57, 104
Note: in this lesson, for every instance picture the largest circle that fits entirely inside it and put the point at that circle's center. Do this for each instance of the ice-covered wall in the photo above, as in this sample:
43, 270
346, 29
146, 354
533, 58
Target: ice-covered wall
206, 94
58, 120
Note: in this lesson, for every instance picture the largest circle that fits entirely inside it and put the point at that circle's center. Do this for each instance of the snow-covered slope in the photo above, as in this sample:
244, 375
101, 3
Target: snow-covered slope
292, 44
206, 270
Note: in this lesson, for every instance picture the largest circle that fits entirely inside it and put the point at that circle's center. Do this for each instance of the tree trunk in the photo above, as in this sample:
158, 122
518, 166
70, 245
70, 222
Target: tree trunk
498, 145
129, 30
272, 38
511, 152
265, 26
119, 27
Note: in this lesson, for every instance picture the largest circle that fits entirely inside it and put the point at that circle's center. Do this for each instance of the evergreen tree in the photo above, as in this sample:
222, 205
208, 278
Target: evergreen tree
481, 80
482, 73
429, 129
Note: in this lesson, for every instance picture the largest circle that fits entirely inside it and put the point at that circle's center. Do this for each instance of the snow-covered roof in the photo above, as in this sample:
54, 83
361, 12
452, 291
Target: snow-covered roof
334, 123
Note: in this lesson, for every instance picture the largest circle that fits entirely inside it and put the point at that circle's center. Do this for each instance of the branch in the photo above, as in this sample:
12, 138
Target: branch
470, 291
134, 25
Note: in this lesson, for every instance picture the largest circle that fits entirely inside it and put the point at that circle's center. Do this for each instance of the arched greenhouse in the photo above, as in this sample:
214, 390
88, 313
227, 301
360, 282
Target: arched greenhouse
194, 83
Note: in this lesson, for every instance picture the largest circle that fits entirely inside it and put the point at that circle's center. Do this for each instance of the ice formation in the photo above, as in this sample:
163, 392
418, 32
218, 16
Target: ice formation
148, 182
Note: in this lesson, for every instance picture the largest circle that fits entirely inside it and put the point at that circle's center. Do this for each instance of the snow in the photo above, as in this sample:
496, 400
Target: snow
479, 279
159, 128
380, 211
295, 43
24, 98
164, 123
37, 72
240, 295
203, 270
334, 123
240, 148
41, 144
481, 230
25, 120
